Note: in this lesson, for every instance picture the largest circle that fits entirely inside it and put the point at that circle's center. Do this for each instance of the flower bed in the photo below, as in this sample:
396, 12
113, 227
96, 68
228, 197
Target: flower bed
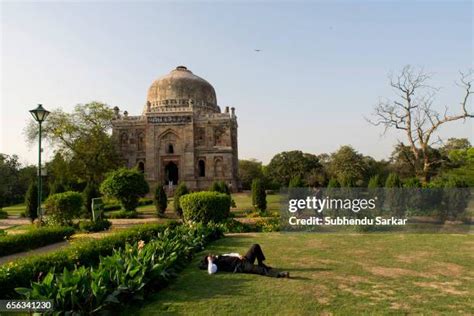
82, 253
126, 275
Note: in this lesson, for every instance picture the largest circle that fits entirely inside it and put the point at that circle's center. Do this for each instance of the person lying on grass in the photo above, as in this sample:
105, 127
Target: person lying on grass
233, 262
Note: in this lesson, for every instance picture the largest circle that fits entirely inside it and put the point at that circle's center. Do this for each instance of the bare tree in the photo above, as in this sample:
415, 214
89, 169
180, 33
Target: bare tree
413, 112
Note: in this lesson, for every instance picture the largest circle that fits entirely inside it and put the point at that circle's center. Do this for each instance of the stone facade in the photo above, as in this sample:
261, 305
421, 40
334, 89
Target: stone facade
182, 135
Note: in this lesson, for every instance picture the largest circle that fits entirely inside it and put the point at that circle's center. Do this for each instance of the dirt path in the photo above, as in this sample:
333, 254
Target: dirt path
45, 249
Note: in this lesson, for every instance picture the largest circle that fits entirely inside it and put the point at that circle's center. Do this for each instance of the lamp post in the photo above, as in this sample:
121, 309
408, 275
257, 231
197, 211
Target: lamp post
39, 114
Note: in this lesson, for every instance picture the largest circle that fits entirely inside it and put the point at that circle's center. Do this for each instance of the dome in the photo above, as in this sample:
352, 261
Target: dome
177, 88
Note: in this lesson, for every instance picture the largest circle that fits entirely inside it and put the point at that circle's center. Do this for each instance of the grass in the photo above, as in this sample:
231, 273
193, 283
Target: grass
243, 203
15, 210
338, 274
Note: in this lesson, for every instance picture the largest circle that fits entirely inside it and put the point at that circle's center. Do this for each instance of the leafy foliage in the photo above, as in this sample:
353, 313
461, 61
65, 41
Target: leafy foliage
126, 185
181, 190
61, 208
286, 165
220, 186
248, 171
205, 206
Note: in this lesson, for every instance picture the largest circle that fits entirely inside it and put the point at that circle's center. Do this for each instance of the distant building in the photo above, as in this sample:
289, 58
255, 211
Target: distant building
182, 135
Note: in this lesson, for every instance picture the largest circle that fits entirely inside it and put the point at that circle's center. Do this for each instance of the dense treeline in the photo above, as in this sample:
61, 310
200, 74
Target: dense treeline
349, 168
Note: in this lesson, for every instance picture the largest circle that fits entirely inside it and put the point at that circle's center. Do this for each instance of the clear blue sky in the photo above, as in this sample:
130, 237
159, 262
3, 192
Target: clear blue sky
322, 68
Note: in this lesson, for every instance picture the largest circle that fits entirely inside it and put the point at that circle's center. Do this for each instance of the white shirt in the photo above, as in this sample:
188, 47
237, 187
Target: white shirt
212, 268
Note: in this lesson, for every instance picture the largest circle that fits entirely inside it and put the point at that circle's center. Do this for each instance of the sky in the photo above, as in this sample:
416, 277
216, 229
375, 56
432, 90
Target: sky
322, 68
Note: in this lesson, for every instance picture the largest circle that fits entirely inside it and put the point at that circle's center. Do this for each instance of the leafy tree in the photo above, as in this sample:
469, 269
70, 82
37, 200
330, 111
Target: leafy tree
160, 200
259, 196
393, 181
57, 187
14, 180
127, 186
62, 208
455, 144
394, 196
333, 183
347, 166
181, 190
286, 165
84, 138
31, 201
249, 170
375, 182
296, 182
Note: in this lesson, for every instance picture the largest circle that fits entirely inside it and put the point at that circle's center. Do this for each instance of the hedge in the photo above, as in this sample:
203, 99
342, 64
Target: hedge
82, 253
32, 239
205, 206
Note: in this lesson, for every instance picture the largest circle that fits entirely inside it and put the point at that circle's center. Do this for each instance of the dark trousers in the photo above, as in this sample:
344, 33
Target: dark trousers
247, 265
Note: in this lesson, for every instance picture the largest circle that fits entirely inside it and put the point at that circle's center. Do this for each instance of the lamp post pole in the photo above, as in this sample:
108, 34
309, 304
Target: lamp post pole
39, 114
40, 180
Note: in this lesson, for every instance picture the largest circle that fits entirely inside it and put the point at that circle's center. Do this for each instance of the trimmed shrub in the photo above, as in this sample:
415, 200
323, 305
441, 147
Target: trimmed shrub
205, 206
31, 201
61, 208
181, 190
259, 197
97, 226
375, 182
220, 186
22, 271
57, 187
127, 186
161, 200
32, 239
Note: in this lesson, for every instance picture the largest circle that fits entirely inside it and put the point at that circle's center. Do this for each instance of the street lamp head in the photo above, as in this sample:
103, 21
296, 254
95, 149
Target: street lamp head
39, 114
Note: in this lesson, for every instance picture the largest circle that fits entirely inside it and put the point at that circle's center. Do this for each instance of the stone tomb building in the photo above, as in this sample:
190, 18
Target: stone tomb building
182, 134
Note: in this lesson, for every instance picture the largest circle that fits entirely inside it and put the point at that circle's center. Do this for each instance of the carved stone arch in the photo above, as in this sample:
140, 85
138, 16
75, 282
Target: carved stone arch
218, 168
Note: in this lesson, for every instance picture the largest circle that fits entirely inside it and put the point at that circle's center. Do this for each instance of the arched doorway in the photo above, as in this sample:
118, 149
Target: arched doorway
171, 173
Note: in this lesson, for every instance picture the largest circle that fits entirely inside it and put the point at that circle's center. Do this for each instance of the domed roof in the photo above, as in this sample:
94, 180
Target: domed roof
177, 88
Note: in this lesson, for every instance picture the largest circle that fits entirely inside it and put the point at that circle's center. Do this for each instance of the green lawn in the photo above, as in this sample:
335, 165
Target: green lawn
338, 274
15, 210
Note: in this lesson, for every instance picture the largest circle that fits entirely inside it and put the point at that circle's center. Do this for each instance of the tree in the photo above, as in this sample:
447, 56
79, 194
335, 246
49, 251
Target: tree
412, 112
249, 170
347, 166
220, 186
127, 186
375, 182
181, 190
296, 182
286, 165
83, 137
160, 200
31, 201
259, 196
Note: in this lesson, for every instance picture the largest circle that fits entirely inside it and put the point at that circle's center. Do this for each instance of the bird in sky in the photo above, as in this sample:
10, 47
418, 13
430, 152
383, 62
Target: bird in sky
258, 50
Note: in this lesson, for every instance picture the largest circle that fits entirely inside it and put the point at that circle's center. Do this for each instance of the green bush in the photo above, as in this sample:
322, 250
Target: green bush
31, 201
220, 186
97, 226
375, 182
259, 197
205, 206
81, 253
161, 200
333, 183
32, 239
3, 214
181, 190
61, 208
127, 186
296, 182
